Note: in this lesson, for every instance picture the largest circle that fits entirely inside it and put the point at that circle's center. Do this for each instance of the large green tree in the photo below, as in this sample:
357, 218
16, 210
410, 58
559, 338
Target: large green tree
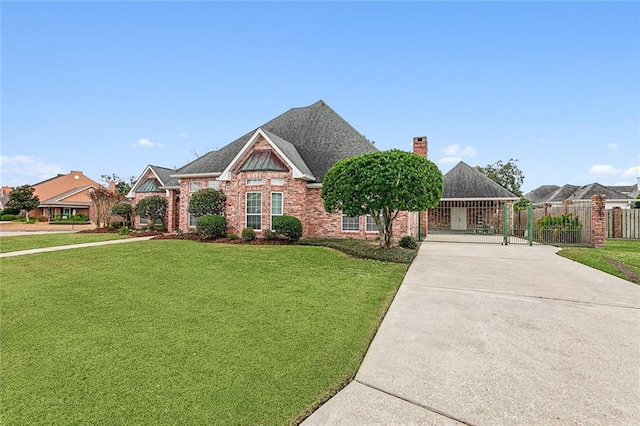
22, 198
507, 175
153, 207
382, 184
207, 201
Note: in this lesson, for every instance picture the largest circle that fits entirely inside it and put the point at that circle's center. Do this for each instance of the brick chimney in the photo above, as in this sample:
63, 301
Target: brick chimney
6, 190
112, 186
420, 146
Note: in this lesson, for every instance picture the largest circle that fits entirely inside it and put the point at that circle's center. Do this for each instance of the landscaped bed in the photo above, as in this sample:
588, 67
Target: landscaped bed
179, 332
619, 257
26, 242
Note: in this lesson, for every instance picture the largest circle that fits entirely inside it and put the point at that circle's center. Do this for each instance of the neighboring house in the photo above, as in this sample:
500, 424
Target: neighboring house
155, 180
278, 169
471, 202
4, 196
64, 195
553, 195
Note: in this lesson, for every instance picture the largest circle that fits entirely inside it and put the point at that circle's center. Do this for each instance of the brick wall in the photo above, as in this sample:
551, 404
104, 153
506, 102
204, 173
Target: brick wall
598, 220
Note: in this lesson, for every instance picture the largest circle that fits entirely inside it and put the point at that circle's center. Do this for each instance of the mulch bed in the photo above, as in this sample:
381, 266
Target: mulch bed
628, 273
199, 238
130, 234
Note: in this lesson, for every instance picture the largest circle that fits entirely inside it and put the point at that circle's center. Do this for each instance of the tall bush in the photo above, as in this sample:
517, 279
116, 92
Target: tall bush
211, 226
288, 226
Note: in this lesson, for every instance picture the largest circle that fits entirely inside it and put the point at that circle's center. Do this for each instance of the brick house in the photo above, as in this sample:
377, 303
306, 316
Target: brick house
278, 169
153, 181
64, 195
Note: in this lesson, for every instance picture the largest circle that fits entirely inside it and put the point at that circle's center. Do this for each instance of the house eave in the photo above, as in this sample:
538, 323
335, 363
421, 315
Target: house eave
314, 185
195, 175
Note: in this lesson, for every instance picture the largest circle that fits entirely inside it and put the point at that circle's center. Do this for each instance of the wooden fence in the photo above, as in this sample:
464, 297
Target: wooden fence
623, 223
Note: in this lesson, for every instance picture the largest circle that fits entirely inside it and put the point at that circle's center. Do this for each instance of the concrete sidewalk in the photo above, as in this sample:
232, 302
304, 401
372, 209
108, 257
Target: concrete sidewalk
72, 246
489, 334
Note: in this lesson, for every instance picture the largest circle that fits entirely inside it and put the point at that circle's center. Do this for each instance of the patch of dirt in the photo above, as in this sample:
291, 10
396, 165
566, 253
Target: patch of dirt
628, 273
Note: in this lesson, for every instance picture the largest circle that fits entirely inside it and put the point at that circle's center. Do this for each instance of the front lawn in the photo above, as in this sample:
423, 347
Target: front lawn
619, 257
179, 332
26, 242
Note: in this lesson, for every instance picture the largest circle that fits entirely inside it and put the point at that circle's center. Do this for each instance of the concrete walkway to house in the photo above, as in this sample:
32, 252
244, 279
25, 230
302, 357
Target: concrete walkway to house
72, 246
488, 334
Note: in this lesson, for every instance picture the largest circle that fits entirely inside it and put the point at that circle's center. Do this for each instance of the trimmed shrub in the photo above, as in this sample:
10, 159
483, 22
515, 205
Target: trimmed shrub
211, 226
288, 226
10, 210
268, 234
8, 217
115, 225
248, 234
408, 242
232, 236
124, 230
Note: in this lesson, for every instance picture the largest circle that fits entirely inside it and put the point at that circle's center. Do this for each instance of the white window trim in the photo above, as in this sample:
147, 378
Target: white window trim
271, 215
342, 224
256, 182
366, 220
213, 184
246, 209
191, 184
146, 220
189, 216
277, 182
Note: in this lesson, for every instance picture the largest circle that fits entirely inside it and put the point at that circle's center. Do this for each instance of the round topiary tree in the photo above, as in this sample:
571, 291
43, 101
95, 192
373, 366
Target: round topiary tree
125, 211
382, 184
207, 201
211, 226
289, 226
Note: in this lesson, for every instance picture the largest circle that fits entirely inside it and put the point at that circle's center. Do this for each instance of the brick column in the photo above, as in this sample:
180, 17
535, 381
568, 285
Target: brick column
617, 222
597, 221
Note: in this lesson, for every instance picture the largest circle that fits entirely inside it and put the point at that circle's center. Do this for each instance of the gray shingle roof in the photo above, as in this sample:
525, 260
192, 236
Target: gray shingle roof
291, 152
463, 181
319, 135
163, 173
585, 193
541, 193
561, 193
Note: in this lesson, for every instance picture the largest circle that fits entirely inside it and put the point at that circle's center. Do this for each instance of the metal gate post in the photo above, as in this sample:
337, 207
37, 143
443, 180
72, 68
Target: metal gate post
505, 224
530, 223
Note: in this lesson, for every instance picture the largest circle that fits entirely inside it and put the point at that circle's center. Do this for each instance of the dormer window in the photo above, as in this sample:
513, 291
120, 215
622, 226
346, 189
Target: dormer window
150, 185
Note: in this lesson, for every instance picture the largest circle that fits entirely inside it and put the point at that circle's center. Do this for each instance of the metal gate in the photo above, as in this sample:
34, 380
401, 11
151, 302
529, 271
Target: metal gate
500, 222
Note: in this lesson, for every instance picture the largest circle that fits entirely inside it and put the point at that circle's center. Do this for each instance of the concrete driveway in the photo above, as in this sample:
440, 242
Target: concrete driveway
489, 334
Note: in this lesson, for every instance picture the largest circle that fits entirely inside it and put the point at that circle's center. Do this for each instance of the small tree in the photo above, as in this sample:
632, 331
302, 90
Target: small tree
153, 208
124, 210
103, 201
207, 201
382, 184
507, 175
22, 198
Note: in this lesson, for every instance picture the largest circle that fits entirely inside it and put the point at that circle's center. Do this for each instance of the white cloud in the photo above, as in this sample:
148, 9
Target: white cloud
23, 169
145, 143
612, 145
183, 136
456, 150
631, 172
603, 169
447, 160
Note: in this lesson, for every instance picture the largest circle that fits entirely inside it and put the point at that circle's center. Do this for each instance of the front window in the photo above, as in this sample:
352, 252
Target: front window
276, 205
371, 224
254, 210
143, 220
254, 182
192, 220
213, 184
194, 186
350, 223
277, 182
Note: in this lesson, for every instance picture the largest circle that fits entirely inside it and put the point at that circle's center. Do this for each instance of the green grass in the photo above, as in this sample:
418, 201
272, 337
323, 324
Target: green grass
180, 332
26, 242
625, 251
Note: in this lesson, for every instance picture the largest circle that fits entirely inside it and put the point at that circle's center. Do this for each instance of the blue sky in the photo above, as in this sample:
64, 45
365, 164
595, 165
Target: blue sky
109, 87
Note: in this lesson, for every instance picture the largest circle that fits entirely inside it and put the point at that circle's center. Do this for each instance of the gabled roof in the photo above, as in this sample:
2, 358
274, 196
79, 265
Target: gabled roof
585, 193
263, 159
574, 193
163, 175
465, 182
623, 189
313, 138
59, 199
541, 193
